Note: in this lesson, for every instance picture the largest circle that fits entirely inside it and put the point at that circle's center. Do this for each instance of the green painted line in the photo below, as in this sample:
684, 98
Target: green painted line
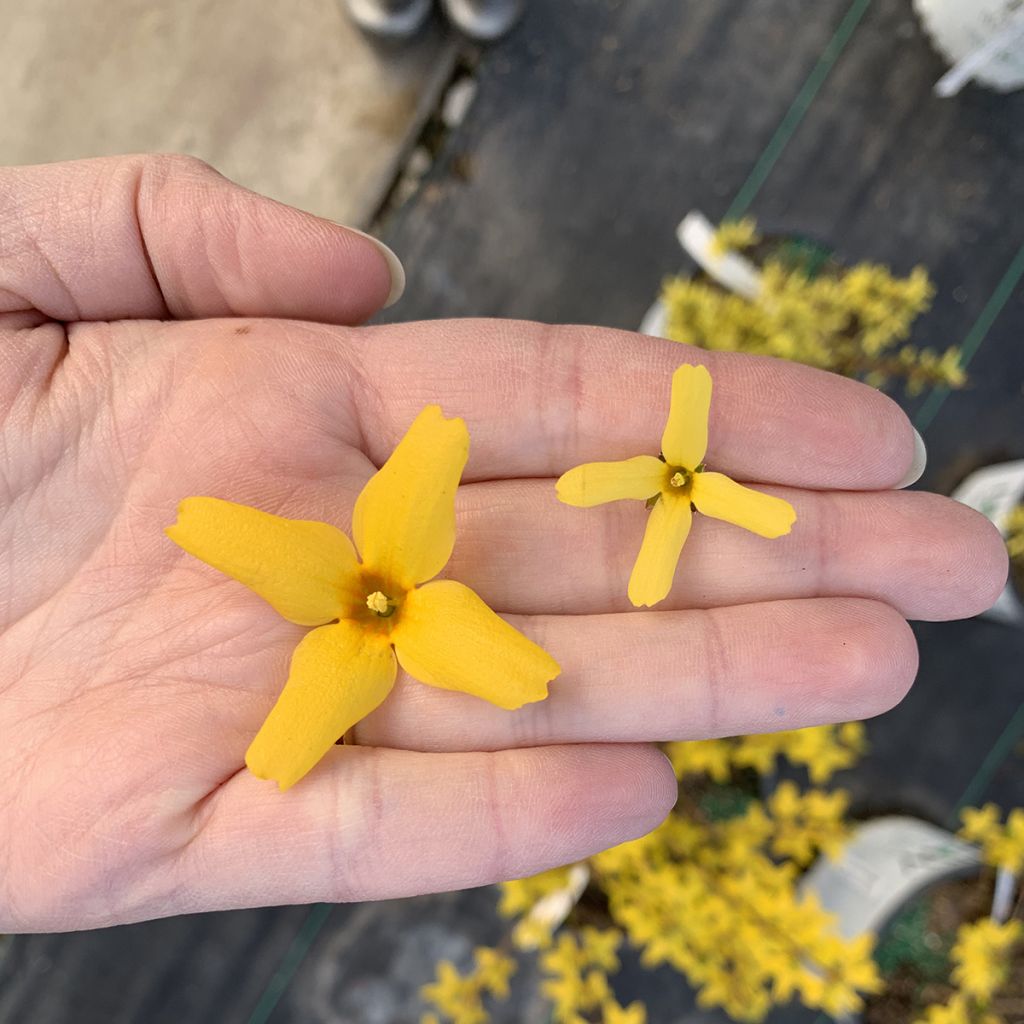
290, 963
1000, 751
977, 334
797, 109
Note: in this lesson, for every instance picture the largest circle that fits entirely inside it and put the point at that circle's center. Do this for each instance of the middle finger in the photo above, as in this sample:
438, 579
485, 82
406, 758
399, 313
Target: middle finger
929, 557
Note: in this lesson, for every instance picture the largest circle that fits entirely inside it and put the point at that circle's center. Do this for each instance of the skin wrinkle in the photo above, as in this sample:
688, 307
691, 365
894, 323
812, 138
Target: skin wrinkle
369, 406
353, 851
824, 544
712, 662
558, 373
104, 533
498, 866
35, 246
143, 184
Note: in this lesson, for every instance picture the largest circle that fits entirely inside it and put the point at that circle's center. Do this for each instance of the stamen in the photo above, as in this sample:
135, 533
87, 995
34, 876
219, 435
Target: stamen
680, 478
379, 604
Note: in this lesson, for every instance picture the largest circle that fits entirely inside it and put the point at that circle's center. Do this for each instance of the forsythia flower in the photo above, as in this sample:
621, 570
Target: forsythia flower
695, 757
1014, 526
982, 957
370, 610
807, 822
576, 979
735, 235
460, 998
455, 996
823, 749
635, 1013
493, 971
675, 483
1002, 845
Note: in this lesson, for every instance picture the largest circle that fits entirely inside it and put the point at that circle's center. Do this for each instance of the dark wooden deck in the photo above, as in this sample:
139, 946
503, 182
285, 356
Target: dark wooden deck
596, 125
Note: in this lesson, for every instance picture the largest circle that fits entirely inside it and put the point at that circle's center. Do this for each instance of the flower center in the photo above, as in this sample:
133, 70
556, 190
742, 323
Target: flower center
380, 604
681, 479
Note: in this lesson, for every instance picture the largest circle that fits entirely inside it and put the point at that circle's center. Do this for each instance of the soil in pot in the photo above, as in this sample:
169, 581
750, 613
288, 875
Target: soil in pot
914, 954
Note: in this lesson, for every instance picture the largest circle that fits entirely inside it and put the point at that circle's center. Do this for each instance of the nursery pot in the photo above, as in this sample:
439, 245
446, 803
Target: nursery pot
888, 862
995, 491
732, 271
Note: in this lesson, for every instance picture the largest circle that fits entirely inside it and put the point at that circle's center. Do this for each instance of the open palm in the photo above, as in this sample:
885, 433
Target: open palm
139, 365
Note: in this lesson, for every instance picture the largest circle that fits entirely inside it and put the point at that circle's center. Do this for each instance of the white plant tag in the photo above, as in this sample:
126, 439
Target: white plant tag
994, 492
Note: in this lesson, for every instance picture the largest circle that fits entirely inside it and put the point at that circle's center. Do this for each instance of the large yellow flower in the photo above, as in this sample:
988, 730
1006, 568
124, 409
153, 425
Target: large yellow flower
368, 608
674, 484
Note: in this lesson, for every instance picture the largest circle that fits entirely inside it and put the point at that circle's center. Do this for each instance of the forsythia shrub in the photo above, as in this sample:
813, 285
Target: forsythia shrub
853, 321
711, 894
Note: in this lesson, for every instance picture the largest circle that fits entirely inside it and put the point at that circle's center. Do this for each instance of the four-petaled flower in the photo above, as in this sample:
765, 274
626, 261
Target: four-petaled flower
673, 485
368, 608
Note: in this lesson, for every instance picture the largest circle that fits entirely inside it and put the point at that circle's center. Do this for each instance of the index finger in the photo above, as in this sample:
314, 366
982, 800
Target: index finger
540, 399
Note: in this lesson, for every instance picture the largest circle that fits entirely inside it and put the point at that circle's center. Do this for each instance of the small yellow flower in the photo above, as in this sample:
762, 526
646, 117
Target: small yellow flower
676, 483
979, 823
635, 1013
370, 610
493, 971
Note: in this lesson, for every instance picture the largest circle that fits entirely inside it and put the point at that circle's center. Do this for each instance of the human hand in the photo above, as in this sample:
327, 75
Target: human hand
132, 677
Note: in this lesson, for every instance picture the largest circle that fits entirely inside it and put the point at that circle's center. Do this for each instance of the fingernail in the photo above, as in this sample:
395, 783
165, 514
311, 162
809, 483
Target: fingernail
920, 460
395, 268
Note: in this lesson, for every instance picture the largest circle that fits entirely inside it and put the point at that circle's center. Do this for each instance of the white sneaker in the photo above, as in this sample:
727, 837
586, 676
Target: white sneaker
389, 19
483, 20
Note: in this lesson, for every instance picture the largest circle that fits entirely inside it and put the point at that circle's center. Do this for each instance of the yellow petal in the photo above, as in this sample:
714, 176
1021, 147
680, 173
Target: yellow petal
685, 440
404, 519
338, 675
717, 496
447, 637
301, 567
667, 528
597, 482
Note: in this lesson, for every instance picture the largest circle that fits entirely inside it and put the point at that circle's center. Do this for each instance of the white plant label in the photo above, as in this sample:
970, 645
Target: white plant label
994, 492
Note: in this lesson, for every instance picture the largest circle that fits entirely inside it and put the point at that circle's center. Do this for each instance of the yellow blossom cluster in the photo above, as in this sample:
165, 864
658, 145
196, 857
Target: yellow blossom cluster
735, 236
717, 899
823, 750
1014, 527
1002, 845
707, 899
981, 959
806, 823
576, 978
853, 321
459, 998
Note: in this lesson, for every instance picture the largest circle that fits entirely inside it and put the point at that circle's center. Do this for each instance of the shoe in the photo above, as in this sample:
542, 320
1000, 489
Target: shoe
389, 19
483, 20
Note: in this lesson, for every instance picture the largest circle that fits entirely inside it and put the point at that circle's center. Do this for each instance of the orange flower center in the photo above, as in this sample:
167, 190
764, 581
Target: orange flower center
374, 602
681, 479
380, 604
